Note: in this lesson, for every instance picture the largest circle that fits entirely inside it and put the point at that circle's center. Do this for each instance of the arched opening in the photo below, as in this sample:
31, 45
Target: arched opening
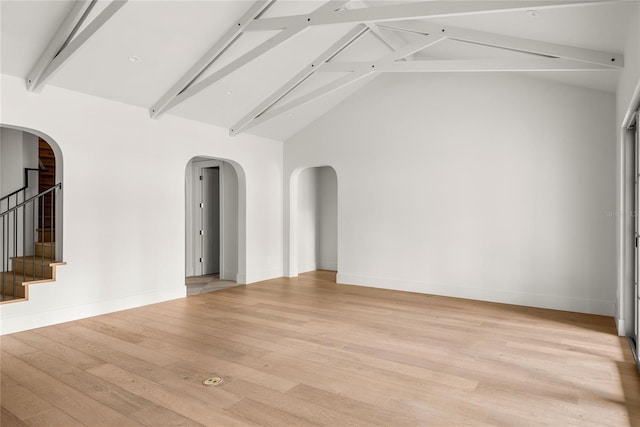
215, 225
314, 220
30, 209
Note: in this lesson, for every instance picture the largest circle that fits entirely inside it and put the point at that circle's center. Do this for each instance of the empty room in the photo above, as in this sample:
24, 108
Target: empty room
301, 212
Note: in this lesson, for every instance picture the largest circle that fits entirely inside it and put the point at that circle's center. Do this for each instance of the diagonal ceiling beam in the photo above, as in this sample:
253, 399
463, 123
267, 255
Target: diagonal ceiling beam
468, 65
399, 54
212, 54
66, 31
254, 53
304, 74
390, 39
71, 46
423, 9
274, 41
536, 47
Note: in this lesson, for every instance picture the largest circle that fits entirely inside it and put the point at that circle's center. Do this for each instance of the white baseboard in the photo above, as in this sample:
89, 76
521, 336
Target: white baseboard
620, 326
23, 322
555, 302
259, 276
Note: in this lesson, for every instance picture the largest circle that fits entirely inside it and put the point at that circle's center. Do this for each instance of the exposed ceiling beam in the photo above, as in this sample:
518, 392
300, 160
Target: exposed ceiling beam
66, 31
309, 97
353, 35
73, 45
536, 47
418, 10
212, 54
389, 38
467, 65
198, 86
234, 65
341, 82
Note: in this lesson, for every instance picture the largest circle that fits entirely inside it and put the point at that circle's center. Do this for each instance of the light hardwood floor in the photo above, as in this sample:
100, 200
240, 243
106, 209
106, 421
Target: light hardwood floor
306, 351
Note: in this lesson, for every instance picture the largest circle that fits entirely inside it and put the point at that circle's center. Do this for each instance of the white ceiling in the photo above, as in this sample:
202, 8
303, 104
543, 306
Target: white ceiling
170, 36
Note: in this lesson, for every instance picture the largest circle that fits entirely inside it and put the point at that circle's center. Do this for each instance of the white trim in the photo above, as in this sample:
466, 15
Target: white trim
623, 221
18, 323
554, 302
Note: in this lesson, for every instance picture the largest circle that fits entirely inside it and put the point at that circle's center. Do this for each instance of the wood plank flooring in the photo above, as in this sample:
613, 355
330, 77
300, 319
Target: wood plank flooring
306, 351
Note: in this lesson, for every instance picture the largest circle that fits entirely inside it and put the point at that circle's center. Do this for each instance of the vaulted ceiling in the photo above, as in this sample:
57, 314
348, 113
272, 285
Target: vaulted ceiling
272, 67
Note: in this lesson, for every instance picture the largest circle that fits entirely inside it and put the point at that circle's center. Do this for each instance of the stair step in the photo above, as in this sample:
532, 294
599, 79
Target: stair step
46, 249
33, 267
46, 234
6, 285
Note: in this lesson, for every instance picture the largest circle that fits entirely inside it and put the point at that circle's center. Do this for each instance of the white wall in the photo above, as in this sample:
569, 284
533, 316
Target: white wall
628, 97
484, 186
317, 220
19, 151
124, 202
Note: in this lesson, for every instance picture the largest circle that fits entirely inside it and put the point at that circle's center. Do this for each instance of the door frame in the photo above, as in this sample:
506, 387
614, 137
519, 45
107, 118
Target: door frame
627, 321
196, 192
291, 219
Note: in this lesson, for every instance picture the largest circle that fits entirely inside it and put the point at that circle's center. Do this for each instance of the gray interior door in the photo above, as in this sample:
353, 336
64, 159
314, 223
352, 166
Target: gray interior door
210, 227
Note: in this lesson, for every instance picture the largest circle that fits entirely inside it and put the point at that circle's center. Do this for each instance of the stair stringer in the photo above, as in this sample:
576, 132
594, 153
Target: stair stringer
26, 285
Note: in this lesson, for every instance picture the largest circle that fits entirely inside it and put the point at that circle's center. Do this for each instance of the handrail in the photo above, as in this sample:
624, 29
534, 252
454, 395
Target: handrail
27, 242
49, 190
24, 187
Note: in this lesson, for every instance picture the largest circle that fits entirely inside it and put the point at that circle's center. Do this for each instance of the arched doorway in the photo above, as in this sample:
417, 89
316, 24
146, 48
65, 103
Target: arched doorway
30, 208
314, 220
215, 222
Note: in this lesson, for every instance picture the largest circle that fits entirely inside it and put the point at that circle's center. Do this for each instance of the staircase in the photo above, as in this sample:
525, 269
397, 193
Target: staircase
28, 248
28, 269
27, 233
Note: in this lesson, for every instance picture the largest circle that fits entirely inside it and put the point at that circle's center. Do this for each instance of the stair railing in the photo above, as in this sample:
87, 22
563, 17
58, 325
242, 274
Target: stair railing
5, 201
21, 227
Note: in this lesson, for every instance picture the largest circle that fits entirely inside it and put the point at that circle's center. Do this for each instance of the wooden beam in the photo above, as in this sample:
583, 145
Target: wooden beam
67, 29
417, 10
501, 41
353, 35
232, 34
77, 42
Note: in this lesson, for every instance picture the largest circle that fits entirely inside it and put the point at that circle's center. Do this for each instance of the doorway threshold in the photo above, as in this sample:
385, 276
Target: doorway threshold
197, 285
